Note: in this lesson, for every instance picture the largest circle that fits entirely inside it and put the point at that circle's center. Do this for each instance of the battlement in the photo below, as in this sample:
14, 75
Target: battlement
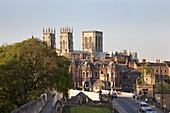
49, 31
66, 30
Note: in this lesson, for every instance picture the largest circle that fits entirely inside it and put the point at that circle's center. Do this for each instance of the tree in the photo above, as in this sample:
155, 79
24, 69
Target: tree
145, 70
27, 70
164, 88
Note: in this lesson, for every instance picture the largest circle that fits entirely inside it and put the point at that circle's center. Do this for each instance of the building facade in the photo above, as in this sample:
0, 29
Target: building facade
92, 41
87, 72
49, 37
66, 40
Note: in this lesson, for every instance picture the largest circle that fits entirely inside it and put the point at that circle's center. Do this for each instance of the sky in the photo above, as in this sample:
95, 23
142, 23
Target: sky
141, 26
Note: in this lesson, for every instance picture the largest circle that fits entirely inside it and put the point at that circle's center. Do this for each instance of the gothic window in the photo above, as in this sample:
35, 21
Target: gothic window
86, 42
63, 44
101, 72
90, 42
66, 45
96, 43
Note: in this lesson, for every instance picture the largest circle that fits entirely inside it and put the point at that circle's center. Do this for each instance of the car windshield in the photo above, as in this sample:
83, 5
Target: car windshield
144, 105
149, 110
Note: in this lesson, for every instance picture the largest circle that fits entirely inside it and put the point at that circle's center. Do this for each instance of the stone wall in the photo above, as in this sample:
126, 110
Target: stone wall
166, 99
34, 106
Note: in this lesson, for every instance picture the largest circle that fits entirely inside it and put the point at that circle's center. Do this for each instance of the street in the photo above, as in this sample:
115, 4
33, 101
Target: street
131, 105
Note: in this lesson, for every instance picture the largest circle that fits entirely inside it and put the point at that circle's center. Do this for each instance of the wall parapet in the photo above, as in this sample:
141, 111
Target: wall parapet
33, 106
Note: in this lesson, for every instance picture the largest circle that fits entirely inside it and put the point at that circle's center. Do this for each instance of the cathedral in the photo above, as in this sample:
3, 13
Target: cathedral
92, 42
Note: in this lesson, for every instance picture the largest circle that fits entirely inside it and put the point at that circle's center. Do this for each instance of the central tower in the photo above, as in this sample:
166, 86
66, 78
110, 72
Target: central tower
66, 40
92, 41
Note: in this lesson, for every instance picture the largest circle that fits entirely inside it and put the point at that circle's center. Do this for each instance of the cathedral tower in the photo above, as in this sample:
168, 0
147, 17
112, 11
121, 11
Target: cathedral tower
66, 40
49, 37
92, 41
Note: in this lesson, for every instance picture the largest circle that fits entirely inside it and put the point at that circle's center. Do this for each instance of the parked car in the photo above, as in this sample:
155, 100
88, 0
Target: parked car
150, 111
143, 106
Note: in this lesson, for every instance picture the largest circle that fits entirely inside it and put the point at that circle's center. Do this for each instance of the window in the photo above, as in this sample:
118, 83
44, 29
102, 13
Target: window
165, 71
63, 44
101, 72
86, 42
113, 66
113, 74
96, 74
83, 74
160, 71
87, 74
88, 65
157, 71
90, 42
97, 65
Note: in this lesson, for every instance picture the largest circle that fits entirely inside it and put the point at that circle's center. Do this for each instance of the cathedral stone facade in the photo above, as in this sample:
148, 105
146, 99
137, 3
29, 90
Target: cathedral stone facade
92, 41
49, 37
66, 40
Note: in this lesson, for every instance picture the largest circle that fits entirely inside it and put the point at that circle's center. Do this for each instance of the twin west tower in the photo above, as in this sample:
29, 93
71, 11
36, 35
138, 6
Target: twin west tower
92, 41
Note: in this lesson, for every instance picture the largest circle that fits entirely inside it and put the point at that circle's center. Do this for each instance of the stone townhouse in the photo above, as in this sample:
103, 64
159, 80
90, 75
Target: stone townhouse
86, 71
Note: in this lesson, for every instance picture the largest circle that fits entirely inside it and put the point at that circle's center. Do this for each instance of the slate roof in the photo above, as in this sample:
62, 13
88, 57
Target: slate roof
168, 63
134, 72
103, 61
157, 64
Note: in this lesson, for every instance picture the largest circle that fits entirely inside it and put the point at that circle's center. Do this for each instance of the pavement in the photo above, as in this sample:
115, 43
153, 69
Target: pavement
47, 108
120, 109
150, 105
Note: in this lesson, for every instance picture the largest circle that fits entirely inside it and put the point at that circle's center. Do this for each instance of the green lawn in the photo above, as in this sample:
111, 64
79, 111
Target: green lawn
85, 109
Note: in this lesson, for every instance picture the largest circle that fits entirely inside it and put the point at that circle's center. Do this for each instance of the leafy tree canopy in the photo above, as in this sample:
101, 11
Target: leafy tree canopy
28, 69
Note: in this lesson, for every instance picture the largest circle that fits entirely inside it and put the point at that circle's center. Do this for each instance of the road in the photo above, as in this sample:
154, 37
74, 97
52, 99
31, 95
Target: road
131, 105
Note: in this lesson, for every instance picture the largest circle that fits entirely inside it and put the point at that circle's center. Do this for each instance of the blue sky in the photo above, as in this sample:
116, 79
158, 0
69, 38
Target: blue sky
142, 26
